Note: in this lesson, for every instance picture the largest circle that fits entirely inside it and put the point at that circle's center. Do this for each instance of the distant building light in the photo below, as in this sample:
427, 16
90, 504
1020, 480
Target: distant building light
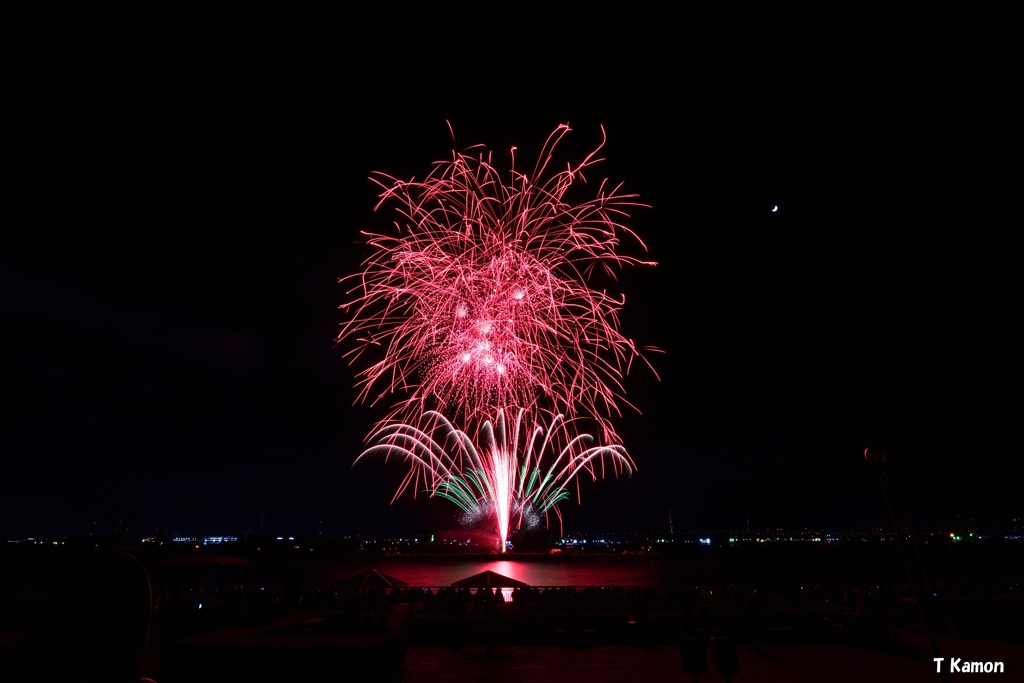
215, 540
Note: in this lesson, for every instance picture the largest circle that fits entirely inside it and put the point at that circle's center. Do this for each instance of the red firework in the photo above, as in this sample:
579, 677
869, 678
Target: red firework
480, 298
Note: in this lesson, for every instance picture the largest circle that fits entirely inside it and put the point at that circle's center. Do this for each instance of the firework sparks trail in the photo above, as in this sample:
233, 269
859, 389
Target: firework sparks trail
480, 300
512, 471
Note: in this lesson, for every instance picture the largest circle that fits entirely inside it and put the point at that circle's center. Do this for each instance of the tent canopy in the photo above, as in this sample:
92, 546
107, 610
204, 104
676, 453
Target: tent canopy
489, 579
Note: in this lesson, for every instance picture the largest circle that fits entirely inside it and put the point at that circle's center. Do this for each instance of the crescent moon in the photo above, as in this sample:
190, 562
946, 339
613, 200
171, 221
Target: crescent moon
775, 208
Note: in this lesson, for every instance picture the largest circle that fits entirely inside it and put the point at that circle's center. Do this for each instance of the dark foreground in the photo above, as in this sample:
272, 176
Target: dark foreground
591, 640
491, 654
661, 664
106, 610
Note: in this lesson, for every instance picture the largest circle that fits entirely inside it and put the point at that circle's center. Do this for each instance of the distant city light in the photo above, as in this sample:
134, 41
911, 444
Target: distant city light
205, 540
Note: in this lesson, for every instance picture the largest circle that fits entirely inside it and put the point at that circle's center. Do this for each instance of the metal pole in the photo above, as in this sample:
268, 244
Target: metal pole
877, 458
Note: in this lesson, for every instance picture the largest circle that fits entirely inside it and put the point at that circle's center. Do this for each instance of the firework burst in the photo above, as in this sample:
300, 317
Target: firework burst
481, 298
510, 474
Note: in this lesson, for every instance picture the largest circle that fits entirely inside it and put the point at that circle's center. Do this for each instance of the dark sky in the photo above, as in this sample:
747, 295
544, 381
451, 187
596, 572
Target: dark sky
184, 191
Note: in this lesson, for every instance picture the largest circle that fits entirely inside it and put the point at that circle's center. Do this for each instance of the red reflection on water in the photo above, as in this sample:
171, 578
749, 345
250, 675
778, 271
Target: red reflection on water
538, 572
513, 570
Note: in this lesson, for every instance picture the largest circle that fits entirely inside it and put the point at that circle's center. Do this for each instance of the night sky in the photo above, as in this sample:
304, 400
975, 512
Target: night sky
185, 190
